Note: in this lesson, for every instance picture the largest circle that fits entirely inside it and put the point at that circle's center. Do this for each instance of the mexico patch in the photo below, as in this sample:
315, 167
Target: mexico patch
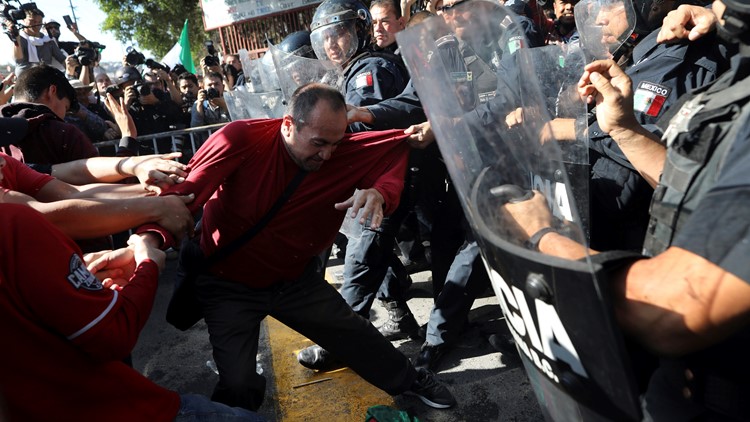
80, 277
362, 80
649, 98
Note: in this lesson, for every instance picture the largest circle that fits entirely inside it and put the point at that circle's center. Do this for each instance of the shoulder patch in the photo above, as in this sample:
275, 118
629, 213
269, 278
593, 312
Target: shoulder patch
362, 80
80, 277
649, 98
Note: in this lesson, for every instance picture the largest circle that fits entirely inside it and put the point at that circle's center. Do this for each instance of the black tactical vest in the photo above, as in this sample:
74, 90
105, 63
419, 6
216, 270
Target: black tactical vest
699, 134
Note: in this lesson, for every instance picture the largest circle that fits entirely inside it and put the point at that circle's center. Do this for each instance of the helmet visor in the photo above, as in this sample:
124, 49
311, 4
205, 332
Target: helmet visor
604, 25
335, 44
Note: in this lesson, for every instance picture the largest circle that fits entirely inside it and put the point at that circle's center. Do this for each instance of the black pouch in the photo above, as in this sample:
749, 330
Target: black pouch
184, 309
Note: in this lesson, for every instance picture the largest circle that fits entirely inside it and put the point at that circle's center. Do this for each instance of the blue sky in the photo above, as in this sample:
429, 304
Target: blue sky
90, 19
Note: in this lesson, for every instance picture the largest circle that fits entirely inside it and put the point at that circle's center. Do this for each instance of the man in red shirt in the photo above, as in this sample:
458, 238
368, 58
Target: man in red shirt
69, 332
238, 174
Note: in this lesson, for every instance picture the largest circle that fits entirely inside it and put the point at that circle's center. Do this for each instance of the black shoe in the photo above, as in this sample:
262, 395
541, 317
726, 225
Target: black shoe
429, 356
401, 323
430, 391
318, 358
413, 267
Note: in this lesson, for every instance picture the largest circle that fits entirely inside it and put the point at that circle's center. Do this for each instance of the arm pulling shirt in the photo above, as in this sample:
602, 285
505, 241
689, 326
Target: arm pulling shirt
242, 170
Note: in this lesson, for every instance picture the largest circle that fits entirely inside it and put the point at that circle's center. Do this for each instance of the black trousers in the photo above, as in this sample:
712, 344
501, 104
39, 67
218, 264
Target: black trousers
309, 305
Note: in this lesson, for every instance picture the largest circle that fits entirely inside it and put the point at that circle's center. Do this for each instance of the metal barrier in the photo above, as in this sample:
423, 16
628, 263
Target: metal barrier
165, 142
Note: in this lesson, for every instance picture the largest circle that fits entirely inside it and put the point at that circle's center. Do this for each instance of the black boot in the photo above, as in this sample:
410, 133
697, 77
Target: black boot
401, 323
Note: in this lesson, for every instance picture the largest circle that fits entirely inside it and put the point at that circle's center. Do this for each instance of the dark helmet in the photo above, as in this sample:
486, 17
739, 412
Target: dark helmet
127, 74
298, 43
736, 25
340, 18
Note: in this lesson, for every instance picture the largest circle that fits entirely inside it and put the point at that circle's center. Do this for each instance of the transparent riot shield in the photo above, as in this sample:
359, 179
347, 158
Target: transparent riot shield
498, 152
557, 69
260, 74
294, 71
254, 105
604, 26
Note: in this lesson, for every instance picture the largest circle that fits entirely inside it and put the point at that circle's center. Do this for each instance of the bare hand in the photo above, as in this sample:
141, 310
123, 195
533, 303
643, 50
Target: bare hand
115, 269
6, 93
71, 63
606, 84
371, 201
406, 9
356, 114
527, 217
174, 216
130, 96
420, 136
687, 21
156, 172
122, 116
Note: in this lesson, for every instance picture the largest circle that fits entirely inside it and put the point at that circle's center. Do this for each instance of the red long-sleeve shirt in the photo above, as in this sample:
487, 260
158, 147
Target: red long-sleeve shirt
243, 169
65, 334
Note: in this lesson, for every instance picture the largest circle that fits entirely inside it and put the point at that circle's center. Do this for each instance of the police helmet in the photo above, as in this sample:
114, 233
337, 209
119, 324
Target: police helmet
298, 43
349, 20
127, 74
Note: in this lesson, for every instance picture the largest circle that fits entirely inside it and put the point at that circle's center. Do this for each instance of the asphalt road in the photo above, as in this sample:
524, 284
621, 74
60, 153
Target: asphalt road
488, 385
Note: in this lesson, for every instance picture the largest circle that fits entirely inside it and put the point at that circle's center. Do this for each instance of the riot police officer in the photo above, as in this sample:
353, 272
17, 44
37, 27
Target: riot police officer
341, 37
688, 301
661, 74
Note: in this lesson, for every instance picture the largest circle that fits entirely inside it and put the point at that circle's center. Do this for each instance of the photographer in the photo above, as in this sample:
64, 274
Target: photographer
233, 71
188, 85
80, 65
158, 75
31, 45
210, 108
152, 109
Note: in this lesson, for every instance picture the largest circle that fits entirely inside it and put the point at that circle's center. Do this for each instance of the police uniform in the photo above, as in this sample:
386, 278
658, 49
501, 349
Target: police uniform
372, 77
370, 263
702, 205
661, 74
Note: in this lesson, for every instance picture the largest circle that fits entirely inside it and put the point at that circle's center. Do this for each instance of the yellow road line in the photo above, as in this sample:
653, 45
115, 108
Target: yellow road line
345, 397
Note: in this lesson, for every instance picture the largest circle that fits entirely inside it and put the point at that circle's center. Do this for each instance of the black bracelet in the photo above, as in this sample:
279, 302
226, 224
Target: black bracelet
533, 242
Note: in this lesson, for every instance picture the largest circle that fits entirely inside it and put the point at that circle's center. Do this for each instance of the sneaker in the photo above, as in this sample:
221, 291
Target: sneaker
401, 323
430, 391
429, 356
318, 359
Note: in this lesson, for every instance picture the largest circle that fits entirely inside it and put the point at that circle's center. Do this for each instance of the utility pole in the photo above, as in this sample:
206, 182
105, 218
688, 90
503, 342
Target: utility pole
73, 12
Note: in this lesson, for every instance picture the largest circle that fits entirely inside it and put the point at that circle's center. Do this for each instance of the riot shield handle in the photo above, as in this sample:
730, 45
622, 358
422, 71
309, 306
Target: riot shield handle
511, 194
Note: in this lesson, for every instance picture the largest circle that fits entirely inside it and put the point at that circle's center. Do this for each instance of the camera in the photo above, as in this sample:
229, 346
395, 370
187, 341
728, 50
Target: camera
86, 56
212, 93
142, 88
112, 89
153, 64
13, 14
134, 57
179, 69
210, 48
211, 61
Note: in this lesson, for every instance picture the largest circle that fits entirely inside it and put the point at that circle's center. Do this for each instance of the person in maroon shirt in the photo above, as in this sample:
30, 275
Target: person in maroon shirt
238, 174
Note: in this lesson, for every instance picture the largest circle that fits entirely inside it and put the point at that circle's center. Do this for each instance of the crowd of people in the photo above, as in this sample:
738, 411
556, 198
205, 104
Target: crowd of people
256, 211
